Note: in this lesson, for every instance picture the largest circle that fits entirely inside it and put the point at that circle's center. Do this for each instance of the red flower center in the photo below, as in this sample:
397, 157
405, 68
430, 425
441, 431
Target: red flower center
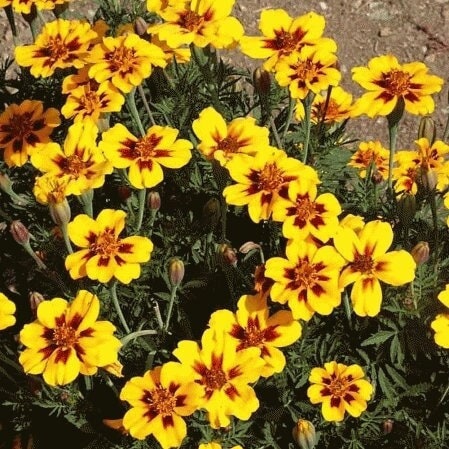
64, 336
229, 145
106, 243
270, 178
214, 379
161, 401
190, 20
363, 263
284, 41
397, 82
146, 147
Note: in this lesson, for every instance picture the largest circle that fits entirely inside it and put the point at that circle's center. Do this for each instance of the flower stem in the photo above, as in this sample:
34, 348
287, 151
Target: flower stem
133, 335
86, 199
307, 102
275, 133
347, 308
131, 103
12, 23
142, 195
170, 306
65, 236
145, 103
115, 301
393, 122
31, 252
291, 108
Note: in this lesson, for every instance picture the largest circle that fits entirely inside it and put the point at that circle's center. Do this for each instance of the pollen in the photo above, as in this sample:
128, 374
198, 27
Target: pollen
363, 263
214, 379
229, 145
304, 274
146, 147
64, 336
90, 102
284, 41
270, 178
304, 208
106, 243
121, 59
73, 165
20, 126
190, 20
54, 50
397, 82
161, 401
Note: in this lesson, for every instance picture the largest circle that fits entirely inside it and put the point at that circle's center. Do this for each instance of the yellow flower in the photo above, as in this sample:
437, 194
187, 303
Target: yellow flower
104, 254
309, 70
79, 159
66, 340
340, 389
180, 54
158, 401
262, 180
61, 44
215, 446
145, 155
222, 141
304, 213
441, 327
339, 107
307, 280
125, 60
22, 127
283, 35
49, 4
371, 156
387, 81
252, 326
369, 262
224, 374
201, 22
7, 310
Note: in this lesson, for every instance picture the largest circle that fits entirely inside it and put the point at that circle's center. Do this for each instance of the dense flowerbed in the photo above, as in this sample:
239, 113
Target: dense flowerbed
195, 255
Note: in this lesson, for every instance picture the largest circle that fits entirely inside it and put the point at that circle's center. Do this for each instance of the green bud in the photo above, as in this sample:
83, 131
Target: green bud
427, 129
406, 208
176, 271
304, 434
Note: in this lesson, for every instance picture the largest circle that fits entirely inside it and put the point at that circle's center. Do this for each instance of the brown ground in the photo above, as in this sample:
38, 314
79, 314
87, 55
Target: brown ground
412, 30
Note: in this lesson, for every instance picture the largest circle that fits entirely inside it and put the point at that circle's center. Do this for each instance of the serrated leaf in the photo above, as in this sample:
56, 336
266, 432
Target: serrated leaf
379, 338
385, 385
398, 379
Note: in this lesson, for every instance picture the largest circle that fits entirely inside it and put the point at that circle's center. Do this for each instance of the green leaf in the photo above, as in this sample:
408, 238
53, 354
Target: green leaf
378, 338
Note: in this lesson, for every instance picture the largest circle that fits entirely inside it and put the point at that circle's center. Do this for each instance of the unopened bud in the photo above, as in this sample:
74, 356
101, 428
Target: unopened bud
124, 192
229, 254
427, 129
35, 298
140, 27
211, 214
60, 212
387, 426
154, 200
176, 271
19, 232
420, 253
376, 177
304, 434
5, 182
428, 179
261, 81
406, 208
248, 246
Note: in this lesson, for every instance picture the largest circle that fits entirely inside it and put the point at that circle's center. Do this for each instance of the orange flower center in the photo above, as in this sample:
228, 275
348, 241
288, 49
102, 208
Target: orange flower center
285, 41
190, 20
270, 178
331, 113
253, 336
161, 401
64, 336
90, 102
363, 263
229, 145
306, 70
73, 165
304, 274
397, 82
146, 147
106, 243
304, 208
214, 379
121, 59
55, 50
338, 386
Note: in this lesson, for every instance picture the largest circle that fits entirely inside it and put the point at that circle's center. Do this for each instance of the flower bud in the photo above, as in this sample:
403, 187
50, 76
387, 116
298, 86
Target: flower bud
124, 192
406, 208
5, 182
60, 212
228, 254
140, 27
211, 214
387, 426
428, 179
176, 271
154, 200
420, 253
19, 232
376, 177
261, 81
248, 246
35, 298
427, 129
304, 434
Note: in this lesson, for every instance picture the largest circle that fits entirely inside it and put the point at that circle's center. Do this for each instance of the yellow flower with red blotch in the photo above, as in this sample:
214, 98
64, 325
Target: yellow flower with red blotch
22, 127
159, 399
222, 141
441, 322
104, 255
386, 81
25, 6
67, 340
61, 44
262, 179
79, 159
124, 60
146, 155
309, 70
307, 279
224, 373
201, 22
305, 213
7, 310
369, 262
371, 156
252, 325
340, 389
283, 35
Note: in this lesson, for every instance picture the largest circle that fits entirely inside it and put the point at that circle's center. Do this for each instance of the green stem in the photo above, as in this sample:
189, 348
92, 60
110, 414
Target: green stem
86, 200
446, 130
347, 307
433, 208
142, 195
31, 252
7, 361
133, 335
275, 132
291, 108
12, 23
88, 383
323, 117
170, 306
115, 301
151, 222
65, 236
393, 123
145, 103
131, 103
307, 102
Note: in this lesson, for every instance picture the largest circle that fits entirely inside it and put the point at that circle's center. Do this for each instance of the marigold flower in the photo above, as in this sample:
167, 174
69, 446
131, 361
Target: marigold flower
180, 53
369, 262
307, 280
50, 188
201, 22
310, 70
262, 180
7, 310
79, 160
224, 374
22, 127
159, 399
306, 213
104, 254
340, 389
66, 340
387, 81
61, 44
283, 35
441, 327
145, 155
125, 60
371, 156
222, 141
215, 446
252, 326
